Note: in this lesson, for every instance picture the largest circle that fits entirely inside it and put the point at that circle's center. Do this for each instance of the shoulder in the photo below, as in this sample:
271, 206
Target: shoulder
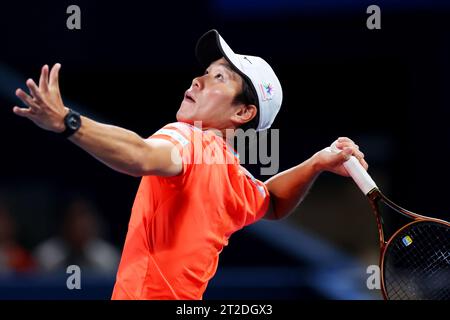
181, 132
181, 126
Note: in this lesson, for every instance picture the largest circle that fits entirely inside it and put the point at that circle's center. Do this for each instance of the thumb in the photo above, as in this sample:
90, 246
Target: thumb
346, 154
23, 112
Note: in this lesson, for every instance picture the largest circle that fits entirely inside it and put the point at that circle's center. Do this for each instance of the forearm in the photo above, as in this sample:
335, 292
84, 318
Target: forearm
118, 148
288, 188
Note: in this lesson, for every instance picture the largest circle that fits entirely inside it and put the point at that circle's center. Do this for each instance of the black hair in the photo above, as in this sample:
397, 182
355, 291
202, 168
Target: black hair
248, 96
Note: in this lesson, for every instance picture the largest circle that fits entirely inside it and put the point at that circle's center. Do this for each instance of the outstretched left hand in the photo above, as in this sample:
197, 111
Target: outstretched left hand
45, 106
333, 162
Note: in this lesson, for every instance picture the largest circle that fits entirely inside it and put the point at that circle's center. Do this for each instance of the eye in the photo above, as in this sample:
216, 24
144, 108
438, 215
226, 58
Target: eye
219, 76
206, 72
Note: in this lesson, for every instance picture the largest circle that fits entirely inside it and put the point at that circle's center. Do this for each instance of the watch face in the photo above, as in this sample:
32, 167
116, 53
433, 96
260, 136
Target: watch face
73, 122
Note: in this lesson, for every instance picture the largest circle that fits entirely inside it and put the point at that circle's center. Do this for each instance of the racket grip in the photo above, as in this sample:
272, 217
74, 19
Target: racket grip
357, 172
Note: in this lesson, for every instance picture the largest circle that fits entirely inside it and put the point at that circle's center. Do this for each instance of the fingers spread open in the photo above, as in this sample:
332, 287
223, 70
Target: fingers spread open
43, 80
34, 90
54, 76
23, 112
26, 99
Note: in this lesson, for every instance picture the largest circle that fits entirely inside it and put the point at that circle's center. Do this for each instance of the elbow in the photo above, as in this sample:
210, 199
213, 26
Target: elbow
271, 213
275, 215
154, 160
137, 166
278, 209
143, 166
142, 162
133, 170
135, 174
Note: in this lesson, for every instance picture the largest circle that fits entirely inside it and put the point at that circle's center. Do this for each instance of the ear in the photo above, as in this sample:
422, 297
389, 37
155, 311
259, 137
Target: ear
244, 113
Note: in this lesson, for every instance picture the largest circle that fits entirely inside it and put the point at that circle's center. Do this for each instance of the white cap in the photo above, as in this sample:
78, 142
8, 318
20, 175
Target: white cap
211, 47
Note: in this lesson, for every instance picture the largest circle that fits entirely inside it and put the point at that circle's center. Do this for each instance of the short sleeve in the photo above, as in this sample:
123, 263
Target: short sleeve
180, 135
261, 203
257, 198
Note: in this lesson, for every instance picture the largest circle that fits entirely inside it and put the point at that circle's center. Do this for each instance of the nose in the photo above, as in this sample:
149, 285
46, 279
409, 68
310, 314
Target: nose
197, 83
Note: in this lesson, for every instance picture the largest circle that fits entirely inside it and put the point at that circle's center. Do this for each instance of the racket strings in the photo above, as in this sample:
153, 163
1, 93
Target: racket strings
417, 263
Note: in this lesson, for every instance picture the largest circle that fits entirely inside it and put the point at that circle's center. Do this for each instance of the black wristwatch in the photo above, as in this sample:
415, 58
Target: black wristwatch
72, 121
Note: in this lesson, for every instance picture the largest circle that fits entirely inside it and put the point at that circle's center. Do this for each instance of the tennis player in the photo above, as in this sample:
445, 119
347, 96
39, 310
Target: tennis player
194, 194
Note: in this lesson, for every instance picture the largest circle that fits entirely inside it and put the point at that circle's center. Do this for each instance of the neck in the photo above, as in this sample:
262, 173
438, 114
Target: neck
228, 136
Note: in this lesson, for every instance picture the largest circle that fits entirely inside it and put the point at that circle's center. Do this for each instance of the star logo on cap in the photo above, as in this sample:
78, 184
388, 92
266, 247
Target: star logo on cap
269, 88
266, 91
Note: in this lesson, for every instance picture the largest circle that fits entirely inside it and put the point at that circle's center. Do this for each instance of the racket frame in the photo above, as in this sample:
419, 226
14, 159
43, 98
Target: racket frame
375, 196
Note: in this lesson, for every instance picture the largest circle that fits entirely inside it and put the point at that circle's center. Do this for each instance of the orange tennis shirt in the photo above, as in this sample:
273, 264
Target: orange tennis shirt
179, 225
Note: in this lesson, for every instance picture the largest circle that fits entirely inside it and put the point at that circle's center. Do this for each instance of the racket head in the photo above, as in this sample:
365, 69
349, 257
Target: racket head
415, 262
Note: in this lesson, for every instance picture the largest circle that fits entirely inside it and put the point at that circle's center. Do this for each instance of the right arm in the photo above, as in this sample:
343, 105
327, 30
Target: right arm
118, 148
125, 151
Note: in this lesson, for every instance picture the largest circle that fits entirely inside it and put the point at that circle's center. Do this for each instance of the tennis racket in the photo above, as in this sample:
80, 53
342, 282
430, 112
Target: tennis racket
414, 249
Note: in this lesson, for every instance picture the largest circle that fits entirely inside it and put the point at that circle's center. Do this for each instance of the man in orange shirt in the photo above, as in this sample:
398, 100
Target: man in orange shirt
194, 194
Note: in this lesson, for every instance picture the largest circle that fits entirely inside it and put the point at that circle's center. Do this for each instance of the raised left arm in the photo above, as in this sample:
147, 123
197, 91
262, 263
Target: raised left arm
288, 188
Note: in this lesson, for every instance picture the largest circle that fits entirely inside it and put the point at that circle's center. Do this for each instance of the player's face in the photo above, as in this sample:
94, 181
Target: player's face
210, 97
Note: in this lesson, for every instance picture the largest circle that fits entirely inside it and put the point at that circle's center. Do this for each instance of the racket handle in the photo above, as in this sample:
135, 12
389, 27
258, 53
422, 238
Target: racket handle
357, 172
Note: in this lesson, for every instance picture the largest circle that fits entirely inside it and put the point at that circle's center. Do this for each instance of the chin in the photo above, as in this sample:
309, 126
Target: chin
182, 118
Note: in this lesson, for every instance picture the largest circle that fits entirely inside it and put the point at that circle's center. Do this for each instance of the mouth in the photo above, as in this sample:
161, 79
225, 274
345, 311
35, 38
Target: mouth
188, 96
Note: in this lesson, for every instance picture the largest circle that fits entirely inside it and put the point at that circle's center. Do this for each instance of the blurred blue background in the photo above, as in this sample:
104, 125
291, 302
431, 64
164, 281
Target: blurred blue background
130, 64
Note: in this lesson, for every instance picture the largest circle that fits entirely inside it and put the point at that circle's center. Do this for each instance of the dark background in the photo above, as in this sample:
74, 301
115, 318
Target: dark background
131, 62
